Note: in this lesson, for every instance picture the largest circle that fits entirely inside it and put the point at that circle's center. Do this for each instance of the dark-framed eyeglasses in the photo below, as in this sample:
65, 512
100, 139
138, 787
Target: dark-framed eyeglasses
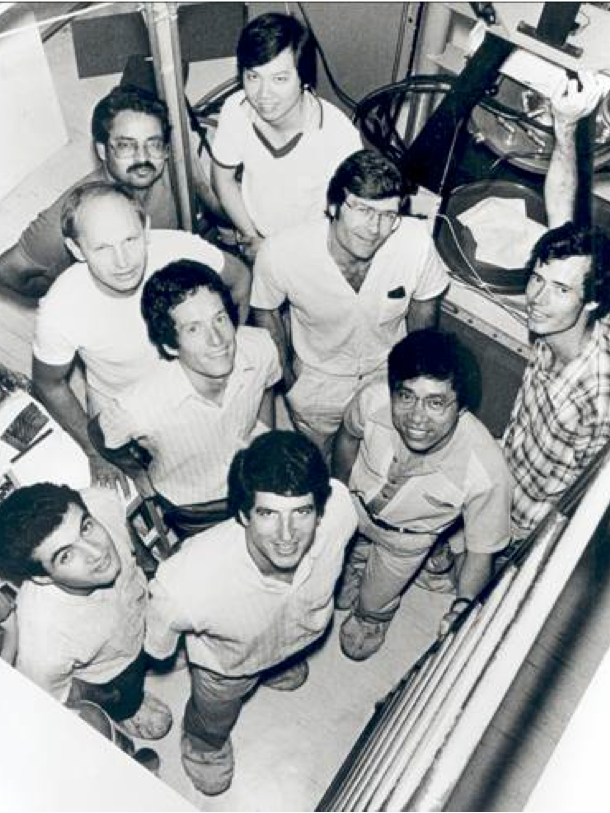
127, 148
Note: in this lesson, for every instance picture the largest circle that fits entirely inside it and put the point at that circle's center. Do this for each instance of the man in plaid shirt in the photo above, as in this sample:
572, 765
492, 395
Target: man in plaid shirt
561, 417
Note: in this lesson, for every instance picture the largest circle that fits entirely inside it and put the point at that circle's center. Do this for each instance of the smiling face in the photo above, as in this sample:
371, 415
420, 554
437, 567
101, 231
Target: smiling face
425, 413
555, 298
280, 531
362, 225
274, 89
112, 240
135, 153
79, 556
206, 335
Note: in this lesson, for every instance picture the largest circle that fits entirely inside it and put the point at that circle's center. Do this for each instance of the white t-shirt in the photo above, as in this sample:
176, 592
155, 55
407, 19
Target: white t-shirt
284, 189
334, 329
108, 332
238, 621
95, 637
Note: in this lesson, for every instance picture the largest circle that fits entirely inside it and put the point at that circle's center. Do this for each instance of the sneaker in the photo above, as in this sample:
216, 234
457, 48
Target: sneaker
438, 573
211, 772
150, 722
288, 679
349, 590
360, 639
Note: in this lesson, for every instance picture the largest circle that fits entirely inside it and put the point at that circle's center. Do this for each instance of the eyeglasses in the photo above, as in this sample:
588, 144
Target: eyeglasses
434, 405
370, 215
128, 147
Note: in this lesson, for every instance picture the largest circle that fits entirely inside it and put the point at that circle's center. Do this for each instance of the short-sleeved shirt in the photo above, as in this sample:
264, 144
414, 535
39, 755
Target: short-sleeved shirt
108, 332
194, 440
282, 188
467, 477
42, 241
94, 638
334, 329
559, 423
238, 621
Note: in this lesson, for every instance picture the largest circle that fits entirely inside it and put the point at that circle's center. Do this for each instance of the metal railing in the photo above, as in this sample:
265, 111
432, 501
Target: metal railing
421, 737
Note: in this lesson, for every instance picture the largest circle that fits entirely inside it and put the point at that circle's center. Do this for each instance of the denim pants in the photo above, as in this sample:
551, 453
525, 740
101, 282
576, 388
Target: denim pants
121, 697
214, 706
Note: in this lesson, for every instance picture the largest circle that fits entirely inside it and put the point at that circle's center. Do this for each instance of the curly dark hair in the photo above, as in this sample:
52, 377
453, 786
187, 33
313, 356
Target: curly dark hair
439, 355
281, 462
27, 517
367, 174
268, 35
570, 240
169, 287
128, 97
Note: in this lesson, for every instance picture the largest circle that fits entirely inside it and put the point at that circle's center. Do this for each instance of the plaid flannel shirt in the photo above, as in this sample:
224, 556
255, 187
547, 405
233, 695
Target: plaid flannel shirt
559, 423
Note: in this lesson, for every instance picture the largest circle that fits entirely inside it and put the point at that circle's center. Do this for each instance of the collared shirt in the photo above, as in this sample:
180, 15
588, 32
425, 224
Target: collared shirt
238, 621
334, 329
193, 440
560, 421
95, 637
283, 188
43, 243
108, 332
427, 492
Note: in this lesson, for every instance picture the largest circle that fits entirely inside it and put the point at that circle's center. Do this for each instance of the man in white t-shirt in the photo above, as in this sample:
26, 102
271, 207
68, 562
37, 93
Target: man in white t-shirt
354, 283
92, 312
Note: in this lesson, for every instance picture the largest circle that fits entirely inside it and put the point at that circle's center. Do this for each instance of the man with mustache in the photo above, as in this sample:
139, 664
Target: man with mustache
561, 416
131, 133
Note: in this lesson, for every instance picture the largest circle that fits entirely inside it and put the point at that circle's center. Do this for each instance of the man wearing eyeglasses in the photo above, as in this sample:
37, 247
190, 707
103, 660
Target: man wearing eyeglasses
354, 283
131, 132
418, 464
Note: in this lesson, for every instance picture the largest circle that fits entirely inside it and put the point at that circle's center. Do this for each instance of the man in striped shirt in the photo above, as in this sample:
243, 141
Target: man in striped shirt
561, 417
251, 593
208, 397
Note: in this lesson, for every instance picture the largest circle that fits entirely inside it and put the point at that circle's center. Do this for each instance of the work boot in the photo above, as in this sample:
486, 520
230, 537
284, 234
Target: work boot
151, 721
360, 638
211, 772
288, 679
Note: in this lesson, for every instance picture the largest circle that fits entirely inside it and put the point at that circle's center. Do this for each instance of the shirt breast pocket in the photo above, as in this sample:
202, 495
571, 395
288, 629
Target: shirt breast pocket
395, 305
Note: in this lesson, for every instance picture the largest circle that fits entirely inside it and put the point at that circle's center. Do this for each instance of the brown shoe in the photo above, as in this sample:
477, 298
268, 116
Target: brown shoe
211, 772
360, 639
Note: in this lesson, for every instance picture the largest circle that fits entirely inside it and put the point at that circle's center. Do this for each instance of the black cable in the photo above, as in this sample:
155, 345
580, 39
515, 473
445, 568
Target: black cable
341, 94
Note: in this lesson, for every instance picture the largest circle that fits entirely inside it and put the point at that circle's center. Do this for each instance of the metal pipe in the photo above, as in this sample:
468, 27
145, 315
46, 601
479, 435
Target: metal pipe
162, 19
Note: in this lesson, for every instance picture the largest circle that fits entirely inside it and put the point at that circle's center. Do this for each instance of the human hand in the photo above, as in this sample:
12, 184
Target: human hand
458, 606
575, 99
249, 246
106, 475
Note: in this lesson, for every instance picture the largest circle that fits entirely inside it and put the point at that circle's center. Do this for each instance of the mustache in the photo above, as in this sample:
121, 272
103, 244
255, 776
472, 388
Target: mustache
143, 165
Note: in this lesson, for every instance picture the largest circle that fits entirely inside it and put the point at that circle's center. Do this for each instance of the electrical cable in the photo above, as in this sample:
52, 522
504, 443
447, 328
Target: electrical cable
339, 92
480, 283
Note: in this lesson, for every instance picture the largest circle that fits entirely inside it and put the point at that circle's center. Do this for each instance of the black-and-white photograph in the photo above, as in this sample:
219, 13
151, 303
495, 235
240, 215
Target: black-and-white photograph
304, 406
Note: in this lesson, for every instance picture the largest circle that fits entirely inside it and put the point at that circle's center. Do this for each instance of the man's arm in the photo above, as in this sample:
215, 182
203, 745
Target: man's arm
474, 571
52, 387
18, 273
272, 321
238, 279
228, 190
423, 313
569, 105
345, 451
266, 412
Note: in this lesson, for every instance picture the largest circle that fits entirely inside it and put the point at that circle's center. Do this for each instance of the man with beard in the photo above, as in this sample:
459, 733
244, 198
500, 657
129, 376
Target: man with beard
354, 283
131, 133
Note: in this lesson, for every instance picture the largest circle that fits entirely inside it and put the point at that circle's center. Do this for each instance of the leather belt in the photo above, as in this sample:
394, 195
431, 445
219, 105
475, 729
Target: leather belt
381, 523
